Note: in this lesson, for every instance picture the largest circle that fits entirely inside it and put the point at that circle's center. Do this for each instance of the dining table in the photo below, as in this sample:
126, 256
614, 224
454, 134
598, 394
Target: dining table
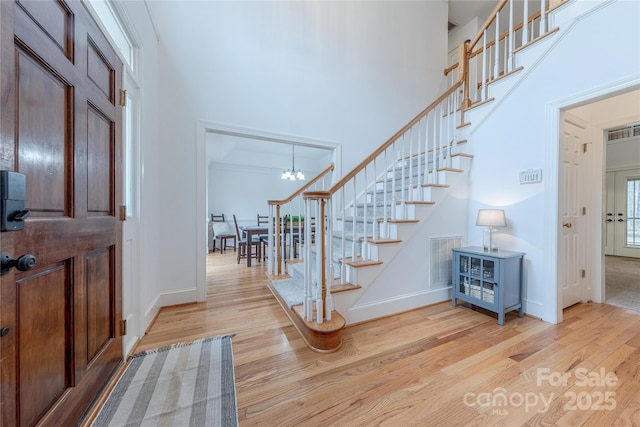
249, 231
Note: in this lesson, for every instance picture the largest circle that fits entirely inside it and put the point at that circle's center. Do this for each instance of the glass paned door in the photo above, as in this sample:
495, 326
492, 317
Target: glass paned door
625, 217
633, 212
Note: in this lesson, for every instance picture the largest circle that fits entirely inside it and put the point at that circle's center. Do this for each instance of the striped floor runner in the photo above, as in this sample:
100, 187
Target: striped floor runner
189, 384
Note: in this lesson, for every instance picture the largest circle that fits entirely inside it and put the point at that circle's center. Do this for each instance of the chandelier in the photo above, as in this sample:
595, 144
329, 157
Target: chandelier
293, 174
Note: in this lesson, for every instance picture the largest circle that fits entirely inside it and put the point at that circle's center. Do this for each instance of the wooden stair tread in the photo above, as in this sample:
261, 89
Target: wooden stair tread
359, 262
450, 170
435, 185
416, 202
403, 221
338, 286
470, 156
383, 241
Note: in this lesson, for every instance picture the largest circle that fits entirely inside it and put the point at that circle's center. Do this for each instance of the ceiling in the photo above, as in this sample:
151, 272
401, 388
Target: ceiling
463, 11
230, 149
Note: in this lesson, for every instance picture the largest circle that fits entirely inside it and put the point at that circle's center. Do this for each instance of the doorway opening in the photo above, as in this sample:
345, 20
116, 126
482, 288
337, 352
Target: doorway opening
612, 107
230, 138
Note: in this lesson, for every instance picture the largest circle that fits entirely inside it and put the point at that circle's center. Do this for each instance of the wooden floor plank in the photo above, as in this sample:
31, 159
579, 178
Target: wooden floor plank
424, 367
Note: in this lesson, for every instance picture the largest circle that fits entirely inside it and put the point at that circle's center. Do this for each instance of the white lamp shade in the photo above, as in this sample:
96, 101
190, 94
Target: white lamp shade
491, 218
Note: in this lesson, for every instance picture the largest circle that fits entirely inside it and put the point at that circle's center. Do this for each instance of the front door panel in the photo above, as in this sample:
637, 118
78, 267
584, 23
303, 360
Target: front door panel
60, 128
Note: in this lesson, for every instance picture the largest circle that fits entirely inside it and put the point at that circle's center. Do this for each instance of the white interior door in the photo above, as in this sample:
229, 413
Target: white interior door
626, 213
130, 229
609, 220
571, 194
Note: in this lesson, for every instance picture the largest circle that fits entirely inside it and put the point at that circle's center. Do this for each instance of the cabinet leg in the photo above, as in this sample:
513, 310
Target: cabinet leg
501, 318
520, 312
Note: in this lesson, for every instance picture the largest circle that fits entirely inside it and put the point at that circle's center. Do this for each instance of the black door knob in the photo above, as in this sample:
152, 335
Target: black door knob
4, 331
23, 263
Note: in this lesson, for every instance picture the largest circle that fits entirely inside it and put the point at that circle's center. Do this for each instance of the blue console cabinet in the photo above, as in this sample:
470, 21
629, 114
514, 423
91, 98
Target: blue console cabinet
491, 280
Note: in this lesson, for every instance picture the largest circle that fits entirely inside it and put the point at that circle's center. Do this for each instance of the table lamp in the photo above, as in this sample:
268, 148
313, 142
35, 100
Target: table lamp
490, 218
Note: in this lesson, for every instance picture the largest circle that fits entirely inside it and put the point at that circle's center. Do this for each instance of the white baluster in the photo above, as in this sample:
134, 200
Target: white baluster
385, 223
375, 228
496, 66
402, 178
343, 237
365, 243
411, 180
308, 310
511, 39
329, 297
353, 223
393, 183
543, 17
452, 129
525, 23
483, 95
318, 266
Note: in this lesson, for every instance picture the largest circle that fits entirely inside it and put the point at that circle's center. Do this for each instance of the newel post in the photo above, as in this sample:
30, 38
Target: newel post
463, 55
321, 197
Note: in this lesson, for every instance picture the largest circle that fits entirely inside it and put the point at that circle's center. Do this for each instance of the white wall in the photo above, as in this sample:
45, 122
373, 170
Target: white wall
600, 50
349, 72
150, 198
244, 191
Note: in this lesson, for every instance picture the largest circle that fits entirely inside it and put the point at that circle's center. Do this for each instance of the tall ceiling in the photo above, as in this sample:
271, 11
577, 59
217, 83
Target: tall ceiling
232, 149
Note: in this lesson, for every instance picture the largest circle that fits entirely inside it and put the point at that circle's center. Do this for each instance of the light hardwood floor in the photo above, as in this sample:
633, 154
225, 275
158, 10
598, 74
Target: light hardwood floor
436, 366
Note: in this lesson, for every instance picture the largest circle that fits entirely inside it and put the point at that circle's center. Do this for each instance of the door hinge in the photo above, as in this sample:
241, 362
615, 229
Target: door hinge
584, 210
123, 98
584, 146
123, 213
123, 327
583, 273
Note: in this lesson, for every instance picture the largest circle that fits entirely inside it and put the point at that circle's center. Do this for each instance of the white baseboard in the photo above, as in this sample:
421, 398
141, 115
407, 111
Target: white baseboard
167, 299
377, 309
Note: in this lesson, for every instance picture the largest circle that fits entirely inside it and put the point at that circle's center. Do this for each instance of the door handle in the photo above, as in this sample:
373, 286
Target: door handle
609, 220
23, 263
566, 224
620, 220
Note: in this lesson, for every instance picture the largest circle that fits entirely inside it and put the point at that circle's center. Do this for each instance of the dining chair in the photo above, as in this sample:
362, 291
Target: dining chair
222, 232
242, 244
264, 238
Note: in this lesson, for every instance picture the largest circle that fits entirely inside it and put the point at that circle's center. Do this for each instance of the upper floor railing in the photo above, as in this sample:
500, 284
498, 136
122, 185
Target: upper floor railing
490, 54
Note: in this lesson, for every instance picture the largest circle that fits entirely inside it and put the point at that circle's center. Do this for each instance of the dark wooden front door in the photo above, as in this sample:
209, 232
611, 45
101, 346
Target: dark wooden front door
60, 127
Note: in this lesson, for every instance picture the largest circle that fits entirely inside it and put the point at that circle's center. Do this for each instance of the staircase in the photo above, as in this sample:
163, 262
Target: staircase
406, 204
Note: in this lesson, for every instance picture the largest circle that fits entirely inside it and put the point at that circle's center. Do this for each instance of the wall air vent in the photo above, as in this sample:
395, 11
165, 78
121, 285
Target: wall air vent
452, 25
623, 132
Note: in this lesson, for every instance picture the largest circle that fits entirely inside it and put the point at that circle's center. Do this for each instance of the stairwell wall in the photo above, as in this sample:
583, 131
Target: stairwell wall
349, 72
596, 51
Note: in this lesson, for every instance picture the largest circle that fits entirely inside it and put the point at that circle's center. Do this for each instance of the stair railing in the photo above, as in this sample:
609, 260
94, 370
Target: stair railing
490, 55
360, 207
287, 220
380, 190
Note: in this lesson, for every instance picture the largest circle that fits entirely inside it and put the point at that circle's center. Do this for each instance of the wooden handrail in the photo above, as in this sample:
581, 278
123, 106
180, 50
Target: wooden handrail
335, 187
506, 34
502, 36
303, 188
487, 23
